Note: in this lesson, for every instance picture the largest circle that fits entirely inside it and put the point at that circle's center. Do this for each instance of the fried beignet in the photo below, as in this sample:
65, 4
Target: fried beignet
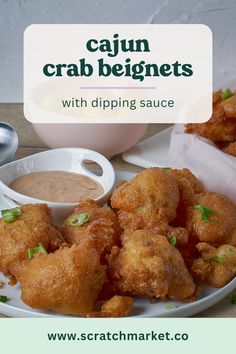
217, 266
67, 281
231, 149
34, 225
213, 219
215, 131
229, 106
222, 125
117, 306
189, 251
186, 174
179, 233
148, 265
150, 197
188, 185
100, 230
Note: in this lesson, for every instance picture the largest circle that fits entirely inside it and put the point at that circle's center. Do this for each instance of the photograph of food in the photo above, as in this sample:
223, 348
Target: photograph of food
161, 237
129, 219
80, 237
221, 127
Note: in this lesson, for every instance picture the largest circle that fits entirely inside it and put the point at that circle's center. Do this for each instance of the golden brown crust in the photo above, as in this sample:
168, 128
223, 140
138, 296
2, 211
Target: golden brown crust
162, 228
34, 226
67, 281
229, 107
188, 186
211, 273
221, 127
101, 231
117, 306
152, 196
186, 174
148, 265
216, 266
220, 228
150, 243
231, 149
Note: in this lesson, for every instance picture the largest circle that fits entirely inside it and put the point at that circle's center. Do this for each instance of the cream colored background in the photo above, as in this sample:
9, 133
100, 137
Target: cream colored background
57, 44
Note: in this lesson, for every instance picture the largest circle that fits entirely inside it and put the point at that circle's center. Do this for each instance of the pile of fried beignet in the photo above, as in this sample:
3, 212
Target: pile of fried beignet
221, 127
161, 238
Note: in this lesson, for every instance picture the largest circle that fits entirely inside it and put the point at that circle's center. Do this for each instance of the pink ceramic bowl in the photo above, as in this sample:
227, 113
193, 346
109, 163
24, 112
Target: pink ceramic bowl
107, 139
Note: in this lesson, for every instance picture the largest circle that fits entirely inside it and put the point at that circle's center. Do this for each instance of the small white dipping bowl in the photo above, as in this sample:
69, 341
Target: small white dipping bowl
65, 159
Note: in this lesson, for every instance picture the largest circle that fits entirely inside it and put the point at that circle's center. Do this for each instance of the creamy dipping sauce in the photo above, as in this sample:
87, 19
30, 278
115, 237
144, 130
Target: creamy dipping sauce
57, 186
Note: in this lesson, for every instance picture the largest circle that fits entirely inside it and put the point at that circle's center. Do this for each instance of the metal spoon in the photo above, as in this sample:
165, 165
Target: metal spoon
8, 142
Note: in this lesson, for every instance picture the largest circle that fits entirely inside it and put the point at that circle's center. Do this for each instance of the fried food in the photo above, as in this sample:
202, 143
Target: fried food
216, 266
229, 106
67, 281
231, 149
214, 131
149, 198
35, 225
219, 224
117, 306
221, 127
189, 251
188, 186
148, 245
186, 174
100, 231
148, 265
179, 233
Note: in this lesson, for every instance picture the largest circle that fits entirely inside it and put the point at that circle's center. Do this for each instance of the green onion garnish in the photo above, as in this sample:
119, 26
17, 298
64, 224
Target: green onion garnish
170, 307
3, 298
226, 94
205, 212
16, 211
216, 259
10, 215
233, 299
165, 168
78, 220
173, 241
227, 252
39, 249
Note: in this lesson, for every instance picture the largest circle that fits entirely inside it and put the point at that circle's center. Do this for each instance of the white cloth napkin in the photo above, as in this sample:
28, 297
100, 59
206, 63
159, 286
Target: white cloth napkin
216, 169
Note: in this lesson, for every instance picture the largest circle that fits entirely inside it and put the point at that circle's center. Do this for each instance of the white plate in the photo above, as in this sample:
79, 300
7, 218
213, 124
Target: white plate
150, 152
208, 296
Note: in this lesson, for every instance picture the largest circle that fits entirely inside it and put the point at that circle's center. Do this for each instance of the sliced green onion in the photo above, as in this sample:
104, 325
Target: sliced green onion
216, 259
227, 252
10, 215
173, 241
226, 94
233, 299
170, 307
16, 211
3, 298
78, 220
205, 212
165, 168
33, 250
